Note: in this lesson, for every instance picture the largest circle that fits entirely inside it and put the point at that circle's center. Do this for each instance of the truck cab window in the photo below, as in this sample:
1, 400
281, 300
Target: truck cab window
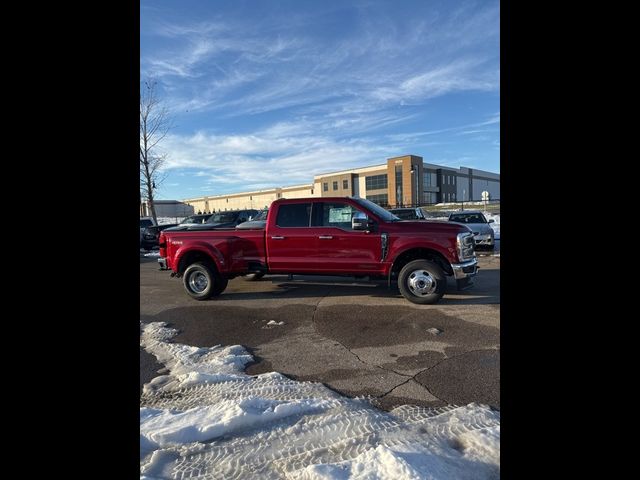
294, 215
333, 214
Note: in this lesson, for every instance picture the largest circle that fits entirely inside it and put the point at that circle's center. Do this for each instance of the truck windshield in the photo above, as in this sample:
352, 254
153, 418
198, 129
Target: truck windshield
385, 215
468, 218
223, 218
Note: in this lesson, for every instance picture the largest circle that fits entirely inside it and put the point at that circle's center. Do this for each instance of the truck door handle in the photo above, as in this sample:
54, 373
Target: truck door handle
277, 238
325, 237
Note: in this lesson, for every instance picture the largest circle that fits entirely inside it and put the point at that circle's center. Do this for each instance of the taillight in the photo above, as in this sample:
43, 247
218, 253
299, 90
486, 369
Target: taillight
162, 242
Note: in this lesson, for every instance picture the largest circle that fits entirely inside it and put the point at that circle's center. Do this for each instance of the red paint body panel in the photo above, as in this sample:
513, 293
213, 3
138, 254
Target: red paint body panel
322, 250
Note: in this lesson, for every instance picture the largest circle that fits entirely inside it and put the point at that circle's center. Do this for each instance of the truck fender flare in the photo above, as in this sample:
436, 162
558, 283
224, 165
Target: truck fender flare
210, 251
414, 246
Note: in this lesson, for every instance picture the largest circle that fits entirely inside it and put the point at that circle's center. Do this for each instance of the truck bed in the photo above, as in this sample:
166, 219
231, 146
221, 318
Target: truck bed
236, 250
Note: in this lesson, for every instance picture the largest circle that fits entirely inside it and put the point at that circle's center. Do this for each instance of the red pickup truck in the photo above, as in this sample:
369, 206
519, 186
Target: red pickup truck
326, 236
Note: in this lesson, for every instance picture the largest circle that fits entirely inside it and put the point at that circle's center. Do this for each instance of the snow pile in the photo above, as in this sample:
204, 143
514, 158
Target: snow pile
208, 419
191, 365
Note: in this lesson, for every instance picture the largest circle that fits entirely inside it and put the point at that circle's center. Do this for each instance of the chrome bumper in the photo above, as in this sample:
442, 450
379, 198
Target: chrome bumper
163, 263
465, 269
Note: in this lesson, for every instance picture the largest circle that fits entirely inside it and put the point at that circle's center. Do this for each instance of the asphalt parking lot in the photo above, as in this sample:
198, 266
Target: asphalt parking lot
359, 338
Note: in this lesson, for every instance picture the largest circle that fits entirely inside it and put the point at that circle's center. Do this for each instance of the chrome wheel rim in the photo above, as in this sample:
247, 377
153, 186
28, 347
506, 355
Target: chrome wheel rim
198, 282
421, 283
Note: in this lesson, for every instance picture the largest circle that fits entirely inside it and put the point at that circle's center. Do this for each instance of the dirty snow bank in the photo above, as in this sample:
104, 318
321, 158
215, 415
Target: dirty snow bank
208, 419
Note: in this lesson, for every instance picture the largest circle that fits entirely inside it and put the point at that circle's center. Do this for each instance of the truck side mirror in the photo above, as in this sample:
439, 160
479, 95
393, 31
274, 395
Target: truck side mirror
359, 221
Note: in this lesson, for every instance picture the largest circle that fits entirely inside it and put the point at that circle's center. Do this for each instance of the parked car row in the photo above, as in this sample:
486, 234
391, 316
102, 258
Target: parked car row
247, 219
475, 220
218, 220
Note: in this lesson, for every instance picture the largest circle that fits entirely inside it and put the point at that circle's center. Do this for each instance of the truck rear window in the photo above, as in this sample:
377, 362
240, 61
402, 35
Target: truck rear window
294, 215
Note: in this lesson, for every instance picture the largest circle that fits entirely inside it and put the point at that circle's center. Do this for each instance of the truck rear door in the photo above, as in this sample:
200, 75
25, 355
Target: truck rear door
290, 240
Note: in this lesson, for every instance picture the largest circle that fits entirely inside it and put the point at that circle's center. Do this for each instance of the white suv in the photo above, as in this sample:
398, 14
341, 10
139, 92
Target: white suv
483, 234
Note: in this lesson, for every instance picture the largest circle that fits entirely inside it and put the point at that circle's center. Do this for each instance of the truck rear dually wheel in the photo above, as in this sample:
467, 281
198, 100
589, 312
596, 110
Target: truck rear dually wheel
202, 281
422, 282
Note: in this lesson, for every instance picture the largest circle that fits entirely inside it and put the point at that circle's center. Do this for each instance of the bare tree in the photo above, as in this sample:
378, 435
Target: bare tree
154, 125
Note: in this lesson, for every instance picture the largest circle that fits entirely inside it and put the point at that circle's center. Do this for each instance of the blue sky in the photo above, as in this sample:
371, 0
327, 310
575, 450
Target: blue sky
270, 93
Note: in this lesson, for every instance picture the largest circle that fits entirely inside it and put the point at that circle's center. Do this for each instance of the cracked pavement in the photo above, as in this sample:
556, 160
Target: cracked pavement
359, 338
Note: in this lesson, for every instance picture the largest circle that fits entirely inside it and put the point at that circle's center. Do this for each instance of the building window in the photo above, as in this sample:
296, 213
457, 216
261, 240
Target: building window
345, 184
312, 191
376, 182
335, 185
443, 179
399, 192
382, 199
427, 180
454, 197
325, 187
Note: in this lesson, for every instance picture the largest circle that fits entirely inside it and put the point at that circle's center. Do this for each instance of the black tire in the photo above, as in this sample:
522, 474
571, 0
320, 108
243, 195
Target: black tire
422, 282
252, 277
202, 281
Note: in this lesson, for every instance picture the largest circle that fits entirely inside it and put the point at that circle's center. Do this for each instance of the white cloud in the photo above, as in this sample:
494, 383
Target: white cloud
237, 68
238, 162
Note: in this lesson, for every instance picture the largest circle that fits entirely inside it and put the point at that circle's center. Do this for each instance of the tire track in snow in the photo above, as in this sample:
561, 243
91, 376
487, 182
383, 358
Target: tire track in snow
298, 427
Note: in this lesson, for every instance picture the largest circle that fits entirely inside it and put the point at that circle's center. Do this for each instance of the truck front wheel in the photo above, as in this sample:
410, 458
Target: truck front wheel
422, 282
202, 281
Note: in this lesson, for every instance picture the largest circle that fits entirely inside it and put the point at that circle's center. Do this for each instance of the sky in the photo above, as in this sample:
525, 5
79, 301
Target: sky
270, 93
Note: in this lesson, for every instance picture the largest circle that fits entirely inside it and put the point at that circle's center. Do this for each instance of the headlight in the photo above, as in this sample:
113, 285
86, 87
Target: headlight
466, 246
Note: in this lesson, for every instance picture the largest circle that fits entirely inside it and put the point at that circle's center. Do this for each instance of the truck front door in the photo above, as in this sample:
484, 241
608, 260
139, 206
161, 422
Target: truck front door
340, 249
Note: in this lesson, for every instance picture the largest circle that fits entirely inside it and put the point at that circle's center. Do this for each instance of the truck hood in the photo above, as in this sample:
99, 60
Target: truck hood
426, 226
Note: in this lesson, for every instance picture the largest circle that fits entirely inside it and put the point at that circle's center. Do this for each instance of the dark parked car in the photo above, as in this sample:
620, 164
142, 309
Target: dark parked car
259, 221
409, 213
151, 234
